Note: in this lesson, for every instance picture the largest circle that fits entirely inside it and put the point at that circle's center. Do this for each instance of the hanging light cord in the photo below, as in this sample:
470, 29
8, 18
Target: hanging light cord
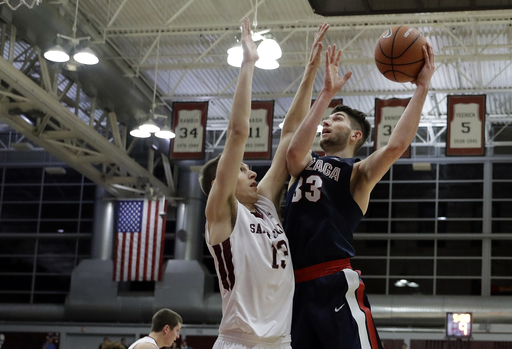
156, 69
76, 17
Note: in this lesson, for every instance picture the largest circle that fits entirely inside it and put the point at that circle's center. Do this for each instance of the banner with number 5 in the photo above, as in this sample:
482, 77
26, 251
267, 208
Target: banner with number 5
189, 121
466, 125
387, 114
259, 143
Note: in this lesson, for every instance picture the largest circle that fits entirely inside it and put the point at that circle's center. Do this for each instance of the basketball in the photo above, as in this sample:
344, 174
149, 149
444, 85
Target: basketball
399, 53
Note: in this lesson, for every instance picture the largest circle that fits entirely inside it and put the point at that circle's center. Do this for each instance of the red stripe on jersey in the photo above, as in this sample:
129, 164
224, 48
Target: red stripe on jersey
370, 327
222, 268
226, 248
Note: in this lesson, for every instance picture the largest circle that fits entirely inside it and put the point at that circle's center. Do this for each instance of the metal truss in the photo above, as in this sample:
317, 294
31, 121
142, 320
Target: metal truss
35, 101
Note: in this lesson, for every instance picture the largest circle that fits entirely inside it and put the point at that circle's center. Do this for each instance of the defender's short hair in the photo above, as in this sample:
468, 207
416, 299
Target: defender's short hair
208, 174
358, 121
113, 345
165, 317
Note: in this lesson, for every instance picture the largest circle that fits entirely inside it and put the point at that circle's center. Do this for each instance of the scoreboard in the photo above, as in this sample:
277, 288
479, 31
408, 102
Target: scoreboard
459, 325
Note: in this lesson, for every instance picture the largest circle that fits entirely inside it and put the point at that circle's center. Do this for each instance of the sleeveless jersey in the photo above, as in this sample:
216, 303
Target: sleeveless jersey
146, 339
255, 275
321, 215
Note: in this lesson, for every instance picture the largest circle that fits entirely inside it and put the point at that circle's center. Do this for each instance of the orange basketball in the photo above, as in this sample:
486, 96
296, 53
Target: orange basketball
399, 53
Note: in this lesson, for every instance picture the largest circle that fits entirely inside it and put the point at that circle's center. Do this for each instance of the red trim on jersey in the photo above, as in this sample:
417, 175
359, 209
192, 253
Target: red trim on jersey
322, 269
228, 256
370, 327
225, 260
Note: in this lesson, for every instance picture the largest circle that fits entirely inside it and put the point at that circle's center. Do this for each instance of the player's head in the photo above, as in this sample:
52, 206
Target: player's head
357, 122
246, 183
208, 173
113, 345
168, 323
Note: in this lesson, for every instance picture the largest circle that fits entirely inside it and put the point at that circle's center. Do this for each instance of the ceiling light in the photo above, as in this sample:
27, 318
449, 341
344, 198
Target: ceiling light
83, 55
86, 56
269, 49
235, 56
56, 54
165, 133
22, 146
139, 133
56, 170
267, 64
149, 126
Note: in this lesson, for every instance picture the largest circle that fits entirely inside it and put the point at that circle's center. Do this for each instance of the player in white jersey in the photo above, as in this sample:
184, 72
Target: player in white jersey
243, 230
257, 236
165, 328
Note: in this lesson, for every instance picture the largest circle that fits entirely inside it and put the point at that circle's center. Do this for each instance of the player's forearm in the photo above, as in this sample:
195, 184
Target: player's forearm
301, 102
407, 126
303, 139
241, 108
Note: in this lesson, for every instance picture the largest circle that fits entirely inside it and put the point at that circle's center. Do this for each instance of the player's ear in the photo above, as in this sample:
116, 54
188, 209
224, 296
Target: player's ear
356, 135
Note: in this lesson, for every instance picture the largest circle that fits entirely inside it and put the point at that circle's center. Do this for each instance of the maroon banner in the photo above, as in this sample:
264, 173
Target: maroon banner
316, 142
259, 143
189, 121
387, 114
466, 126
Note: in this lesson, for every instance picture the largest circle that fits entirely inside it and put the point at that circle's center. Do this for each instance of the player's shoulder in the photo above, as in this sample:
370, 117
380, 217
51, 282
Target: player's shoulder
144, 345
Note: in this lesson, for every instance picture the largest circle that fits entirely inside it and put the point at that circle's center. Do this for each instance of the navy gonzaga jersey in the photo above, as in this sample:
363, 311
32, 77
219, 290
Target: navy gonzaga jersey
320, 214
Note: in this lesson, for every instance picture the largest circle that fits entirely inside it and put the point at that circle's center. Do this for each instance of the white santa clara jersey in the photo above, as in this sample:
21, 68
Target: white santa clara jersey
255, 275
146, 339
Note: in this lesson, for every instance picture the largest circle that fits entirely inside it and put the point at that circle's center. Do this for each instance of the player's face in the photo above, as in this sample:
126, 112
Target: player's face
172, 334
336, 131
246, 186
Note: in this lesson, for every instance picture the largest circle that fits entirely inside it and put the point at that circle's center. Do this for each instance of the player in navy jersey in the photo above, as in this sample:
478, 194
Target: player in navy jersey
243, 230
326, 201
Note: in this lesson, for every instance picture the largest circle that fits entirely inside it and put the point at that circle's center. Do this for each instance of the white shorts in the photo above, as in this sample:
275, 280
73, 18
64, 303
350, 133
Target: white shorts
242, 341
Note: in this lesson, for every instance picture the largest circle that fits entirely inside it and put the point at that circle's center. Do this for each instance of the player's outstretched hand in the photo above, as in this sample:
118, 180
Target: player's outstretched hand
333, 83
248, 45
316, 50
423, 78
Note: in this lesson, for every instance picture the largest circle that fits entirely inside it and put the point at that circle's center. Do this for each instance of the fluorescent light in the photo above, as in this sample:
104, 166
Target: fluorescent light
139, 133
56, 54
22, 146
165, 133
55, 170
421, 166
86, 56
267, 64
269, 49
235, 56
27, 120
149, 126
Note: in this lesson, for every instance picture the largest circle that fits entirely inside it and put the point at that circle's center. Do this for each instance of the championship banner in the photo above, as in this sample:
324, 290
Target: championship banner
140, 233
259, 143
466, 125
316, 142
387, 114
189, 120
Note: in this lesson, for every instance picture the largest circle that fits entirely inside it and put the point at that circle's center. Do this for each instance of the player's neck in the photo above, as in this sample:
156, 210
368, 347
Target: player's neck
250, 206
158, 337
341, 153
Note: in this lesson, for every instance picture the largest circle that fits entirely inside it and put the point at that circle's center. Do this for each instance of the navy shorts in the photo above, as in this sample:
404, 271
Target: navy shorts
333, 311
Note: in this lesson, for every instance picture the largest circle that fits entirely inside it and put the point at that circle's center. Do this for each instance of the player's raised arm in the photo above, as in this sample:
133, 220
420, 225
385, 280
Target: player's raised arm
221, 207
377, 164
298, 153
271, 185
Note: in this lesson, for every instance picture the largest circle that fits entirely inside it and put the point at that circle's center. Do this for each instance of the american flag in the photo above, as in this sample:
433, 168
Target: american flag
140, 240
